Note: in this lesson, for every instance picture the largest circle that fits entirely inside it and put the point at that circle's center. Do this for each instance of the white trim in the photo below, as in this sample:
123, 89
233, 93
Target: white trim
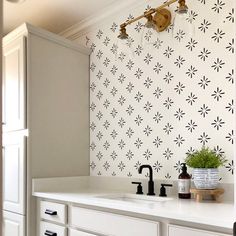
113, 10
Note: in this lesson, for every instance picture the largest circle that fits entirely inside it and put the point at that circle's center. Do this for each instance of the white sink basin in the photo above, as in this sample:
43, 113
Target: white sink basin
135, 198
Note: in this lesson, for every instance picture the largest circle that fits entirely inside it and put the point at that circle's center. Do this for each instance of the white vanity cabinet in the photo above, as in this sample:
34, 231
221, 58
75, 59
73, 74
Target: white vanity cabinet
174, 230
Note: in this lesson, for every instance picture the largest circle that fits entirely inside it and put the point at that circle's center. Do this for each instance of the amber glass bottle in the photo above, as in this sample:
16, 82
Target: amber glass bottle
184, 183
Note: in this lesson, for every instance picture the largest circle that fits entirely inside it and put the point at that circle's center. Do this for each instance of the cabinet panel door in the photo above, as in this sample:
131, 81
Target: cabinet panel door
14, 82
174, 230
13, 224
14, 173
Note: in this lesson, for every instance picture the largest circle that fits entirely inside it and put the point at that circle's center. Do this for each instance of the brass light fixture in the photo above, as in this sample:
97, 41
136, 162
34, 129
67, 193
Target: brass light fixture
158, 18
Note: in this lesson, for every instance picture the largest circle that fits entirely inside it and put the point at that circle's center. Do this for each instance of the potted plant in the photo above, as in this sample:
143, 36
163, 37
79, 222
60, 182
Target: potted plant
205, 164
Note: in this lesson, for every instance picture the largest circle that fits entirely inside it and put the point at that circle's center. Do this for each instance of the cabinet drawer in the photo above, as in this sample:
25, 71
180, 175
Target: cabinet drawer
48, 229
73, 232
110, 224
174, 230
55, 212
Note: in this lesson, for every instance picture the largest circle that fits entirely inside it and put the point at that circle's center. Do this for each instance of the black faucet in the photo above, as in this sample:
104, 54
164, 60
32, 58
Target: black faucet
150, 182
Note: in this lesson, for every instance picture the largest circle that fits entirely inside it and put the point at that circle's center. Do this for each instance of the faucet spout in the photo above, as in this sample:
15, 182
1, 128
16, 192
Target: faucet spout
150, 182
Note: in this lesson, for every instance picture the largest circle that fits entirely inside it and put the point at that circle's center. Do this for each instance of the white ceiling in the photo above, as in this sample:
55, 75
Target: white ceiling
53, 15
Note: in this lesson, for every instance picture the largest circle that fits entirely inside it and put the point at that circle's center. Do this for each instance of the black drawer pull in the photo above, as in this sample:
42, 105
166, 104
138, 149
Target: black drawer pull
50, 233
50, 212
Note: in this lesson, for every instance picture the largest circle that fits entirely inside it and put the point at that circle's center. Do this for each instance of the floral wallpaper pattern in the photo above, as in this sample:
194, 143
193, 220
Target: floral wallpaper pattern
164, 95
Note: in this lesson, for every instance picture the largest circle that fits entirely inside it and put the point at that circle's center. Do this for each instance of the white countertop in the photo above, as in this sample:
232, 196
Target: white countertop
207, 213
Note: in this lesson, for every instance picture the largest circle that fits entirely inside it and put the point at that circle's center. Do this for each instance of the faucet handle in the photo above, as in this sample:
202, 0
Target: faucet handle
139, 187
163, 190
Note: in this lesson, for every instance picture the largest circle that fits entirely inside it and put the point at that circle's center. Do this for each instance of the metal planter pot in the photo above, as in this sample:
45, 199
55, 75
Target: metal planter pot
206, 178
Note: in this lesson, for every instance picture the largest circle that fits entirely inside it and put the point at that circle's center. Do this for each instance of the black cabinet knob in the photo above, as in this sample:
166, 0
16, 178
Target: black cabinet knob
50, 233
50, 212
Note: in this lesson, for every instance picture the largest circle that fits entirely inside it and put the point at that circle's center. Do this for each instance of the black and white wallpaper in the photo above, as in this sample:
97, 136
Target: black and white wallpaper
168, 94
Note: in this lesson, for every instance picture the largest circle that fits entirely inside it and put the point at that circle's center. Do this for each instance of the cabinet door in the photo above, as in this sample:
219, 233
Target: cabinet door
13, 224
14, 82
14, 172
174, 230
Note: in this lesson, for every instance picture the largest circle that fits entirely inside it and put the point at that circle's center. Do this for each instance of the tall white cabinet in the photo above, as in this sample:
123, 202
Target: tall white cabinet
45, 118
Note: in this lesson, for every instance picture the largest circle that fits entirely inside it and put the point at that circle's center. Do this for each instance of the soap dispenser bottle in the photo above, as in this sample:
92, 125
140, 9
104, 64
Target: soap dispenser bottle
184, 183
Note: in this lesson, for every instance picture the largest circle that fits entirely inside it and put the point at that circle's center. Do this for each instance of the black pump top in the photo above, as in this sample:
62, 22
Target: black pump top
184, 167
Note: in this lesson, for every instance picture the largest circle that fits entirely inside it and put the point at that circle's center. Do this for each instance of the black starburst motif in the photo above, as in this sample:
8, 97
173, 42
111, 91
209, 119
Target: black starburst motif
217, 94
138, 73
138, 120
113, 155
137, 165
106, 166
179, 140
168, 103
148, 58
168, 77
191, 44
180, 35
157, 117
114, 134
217, 123
168, 128
148, 83
204, 82
138, 27
204, 26
191, 16
92, 165
129, 132
114, 91
106, 41
121, 144
99, 74
158, 92
114, 50
138, 50
157, 142
204, 54
113, 112
157, 166
179, 88
218, 6
147, 130
121, 166
204, 138
179, 114
99, 135
99, 155
178, 166
130, 110
148, 35
106, 124
148, 106
138, 143
158, 67
92, 47
230, 47
106, 82
121, 100
230, 16
230, 77
158, 43
191, 72
230, 167
129, 155
99, 95
138, 97
168, 176
92, 67
106, 104
218, 35
106, 62
92, 126
129, 87
121, 56
130, 64
191, 126
99, 54
204, 110
106, 145
168, 52
121, 122
147, 154
92, 106
191, 99
230, 106
99, 115
168, 154
179, 61
114, 27
190, 151
230, 137
219, 151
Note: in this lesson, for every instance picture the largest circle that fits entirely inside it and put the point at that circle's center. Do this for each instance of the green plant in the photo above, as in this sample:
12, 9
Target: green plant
204, 158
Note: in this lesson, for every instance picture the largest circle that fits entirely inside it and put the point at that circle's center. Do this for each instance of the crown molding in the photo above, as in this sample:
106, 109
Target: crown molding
92, 22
